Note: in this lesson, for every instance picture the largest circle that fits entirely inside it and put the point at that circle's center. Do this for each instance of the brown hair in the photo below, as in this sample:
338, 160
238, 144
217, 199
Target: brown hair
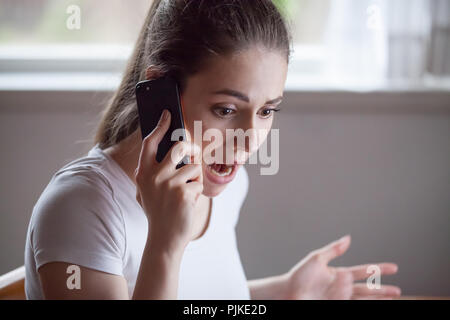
178, 36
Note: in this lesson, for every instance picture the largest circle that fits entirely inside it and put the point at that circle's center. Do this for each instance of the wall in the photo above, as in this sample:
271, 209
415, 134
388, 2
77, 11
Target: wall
375, 165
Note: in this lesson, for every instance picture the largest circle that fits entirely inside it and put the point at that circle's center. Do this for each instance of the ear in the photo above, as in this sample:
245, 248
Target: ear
152, 72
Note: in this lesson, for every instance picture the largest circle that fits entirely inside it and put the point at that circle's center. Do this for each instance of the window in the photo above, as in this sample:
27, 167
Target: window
41, 45
349, 44
24, 22
366, 44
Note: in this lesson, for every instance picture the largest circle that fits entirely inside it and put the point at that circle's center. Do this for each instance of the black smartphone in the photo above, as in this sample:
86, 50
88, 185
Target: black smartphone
153, 96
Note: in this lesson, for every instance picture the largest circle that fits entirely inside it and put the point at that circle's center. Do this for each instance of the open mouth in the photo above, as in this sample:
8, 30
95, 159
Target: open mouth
221, 170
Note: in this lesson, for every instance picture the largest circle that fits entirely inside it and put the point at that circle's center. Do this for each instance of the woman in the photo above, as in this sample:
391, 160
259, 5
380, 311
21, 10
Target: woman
116, 224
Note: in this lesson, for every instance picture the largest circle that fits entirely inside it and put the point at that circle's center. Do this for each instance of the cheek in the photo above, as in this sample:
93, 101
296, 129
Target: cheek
213, 140
262, 130
192, 111
207, 133
199, 119
266, 124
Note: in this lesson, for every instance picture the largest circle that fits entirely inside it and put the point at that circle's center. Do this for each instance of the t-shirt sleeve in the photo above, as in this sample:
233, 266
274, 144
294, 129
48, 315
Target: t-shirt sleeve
76, 220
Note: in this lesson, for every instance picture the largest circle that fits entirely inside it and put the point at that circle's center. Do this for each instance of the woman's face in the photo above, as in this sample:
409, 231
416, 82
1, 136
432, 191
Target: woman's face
237, 92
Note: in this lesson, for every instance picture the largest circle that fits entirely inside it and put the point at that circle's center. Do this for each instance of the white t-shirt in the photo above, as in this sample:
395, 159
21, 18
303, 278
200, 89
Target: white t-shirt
88, 216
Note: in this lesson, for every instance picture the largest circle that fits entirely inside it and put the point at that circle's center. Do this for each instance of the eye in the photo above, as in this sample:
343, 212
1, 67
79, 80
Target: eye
267, 112
224, 112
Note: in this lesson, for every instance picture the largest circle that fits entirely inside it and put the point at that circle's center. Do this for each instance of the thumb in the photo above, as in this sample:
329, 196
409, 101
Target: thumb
335, 248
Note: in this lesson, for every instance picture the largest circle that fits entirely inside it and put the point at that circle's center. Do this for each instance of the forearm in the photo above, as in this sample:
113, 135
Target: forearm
270, 288
158, 274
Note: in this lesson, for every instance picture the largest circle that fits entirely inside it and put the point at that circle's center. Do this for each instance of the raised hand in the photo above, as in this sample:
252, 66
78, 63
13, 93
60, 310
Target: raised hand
313, 278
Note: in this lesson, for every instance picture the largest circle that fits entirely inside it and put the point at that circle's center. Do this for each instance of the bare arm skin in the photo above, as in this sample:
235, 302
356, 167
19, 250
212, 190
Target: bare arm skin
270, 288
158, 275
94, 284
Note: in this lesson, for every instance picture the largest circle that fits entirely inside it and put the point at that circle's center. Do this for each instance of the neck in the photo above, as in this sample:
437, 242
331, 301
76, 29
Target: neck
126, 153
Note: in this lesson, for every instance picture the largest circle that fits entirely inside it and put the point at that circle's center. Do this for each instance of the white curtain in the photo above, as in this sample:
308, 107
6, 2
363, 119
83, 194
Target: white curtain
408, 33
355, 42
374, 41
439, 55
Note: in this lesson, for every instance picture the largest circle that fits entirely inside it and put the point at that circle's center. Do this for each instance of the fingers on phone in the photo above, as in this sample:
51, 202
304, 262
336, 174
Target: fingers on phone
196, 188
191, 173
178, 151
153, 72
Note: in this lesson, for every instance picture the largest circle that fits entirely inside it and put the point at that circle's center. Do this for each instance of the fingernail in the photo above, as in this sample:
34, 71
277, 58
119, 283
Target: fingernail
153, 72
165, 115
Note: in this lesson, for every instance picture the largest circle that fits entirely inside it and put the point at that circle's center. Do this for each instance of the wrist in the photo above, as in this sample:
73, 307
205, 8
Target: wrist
158, 272
270, 288
283, 281
164, 249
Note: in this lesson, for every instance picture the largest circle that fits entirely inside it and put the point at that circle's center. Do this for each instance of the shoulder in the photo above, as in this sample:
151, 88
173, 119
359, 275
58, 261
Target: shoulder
75, 187
81, 181
78, 200
77, 220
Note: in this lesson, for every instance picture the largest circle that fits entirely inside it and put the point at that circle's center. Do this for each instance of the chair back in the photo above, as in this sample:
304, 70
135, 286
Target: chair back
12, 285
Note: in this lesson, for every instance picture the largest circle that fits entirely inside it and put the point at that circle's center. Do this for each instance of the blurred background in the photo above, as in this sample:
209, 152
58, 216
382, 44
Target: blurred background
364, 130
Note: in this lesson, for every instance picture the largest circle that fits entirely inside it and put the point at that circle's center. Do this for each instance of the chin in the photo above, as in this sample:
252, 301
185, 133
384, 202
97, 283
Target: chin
210, 187
211, 190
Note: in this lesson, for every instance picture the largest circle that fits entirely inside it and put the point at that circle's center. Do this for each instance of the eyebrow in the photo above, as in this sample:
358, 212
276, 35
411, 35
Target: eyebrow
243, 97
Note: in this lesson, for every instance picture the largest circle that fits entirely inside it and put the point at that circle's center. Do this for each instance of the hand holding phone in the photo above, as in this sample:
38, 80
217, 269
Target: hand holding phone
168, 201
169, 206
153, 96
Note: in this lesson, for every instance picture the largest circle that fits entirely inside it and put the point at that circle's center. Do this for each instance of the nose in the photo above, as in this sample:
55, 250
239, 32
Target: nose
247, 128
